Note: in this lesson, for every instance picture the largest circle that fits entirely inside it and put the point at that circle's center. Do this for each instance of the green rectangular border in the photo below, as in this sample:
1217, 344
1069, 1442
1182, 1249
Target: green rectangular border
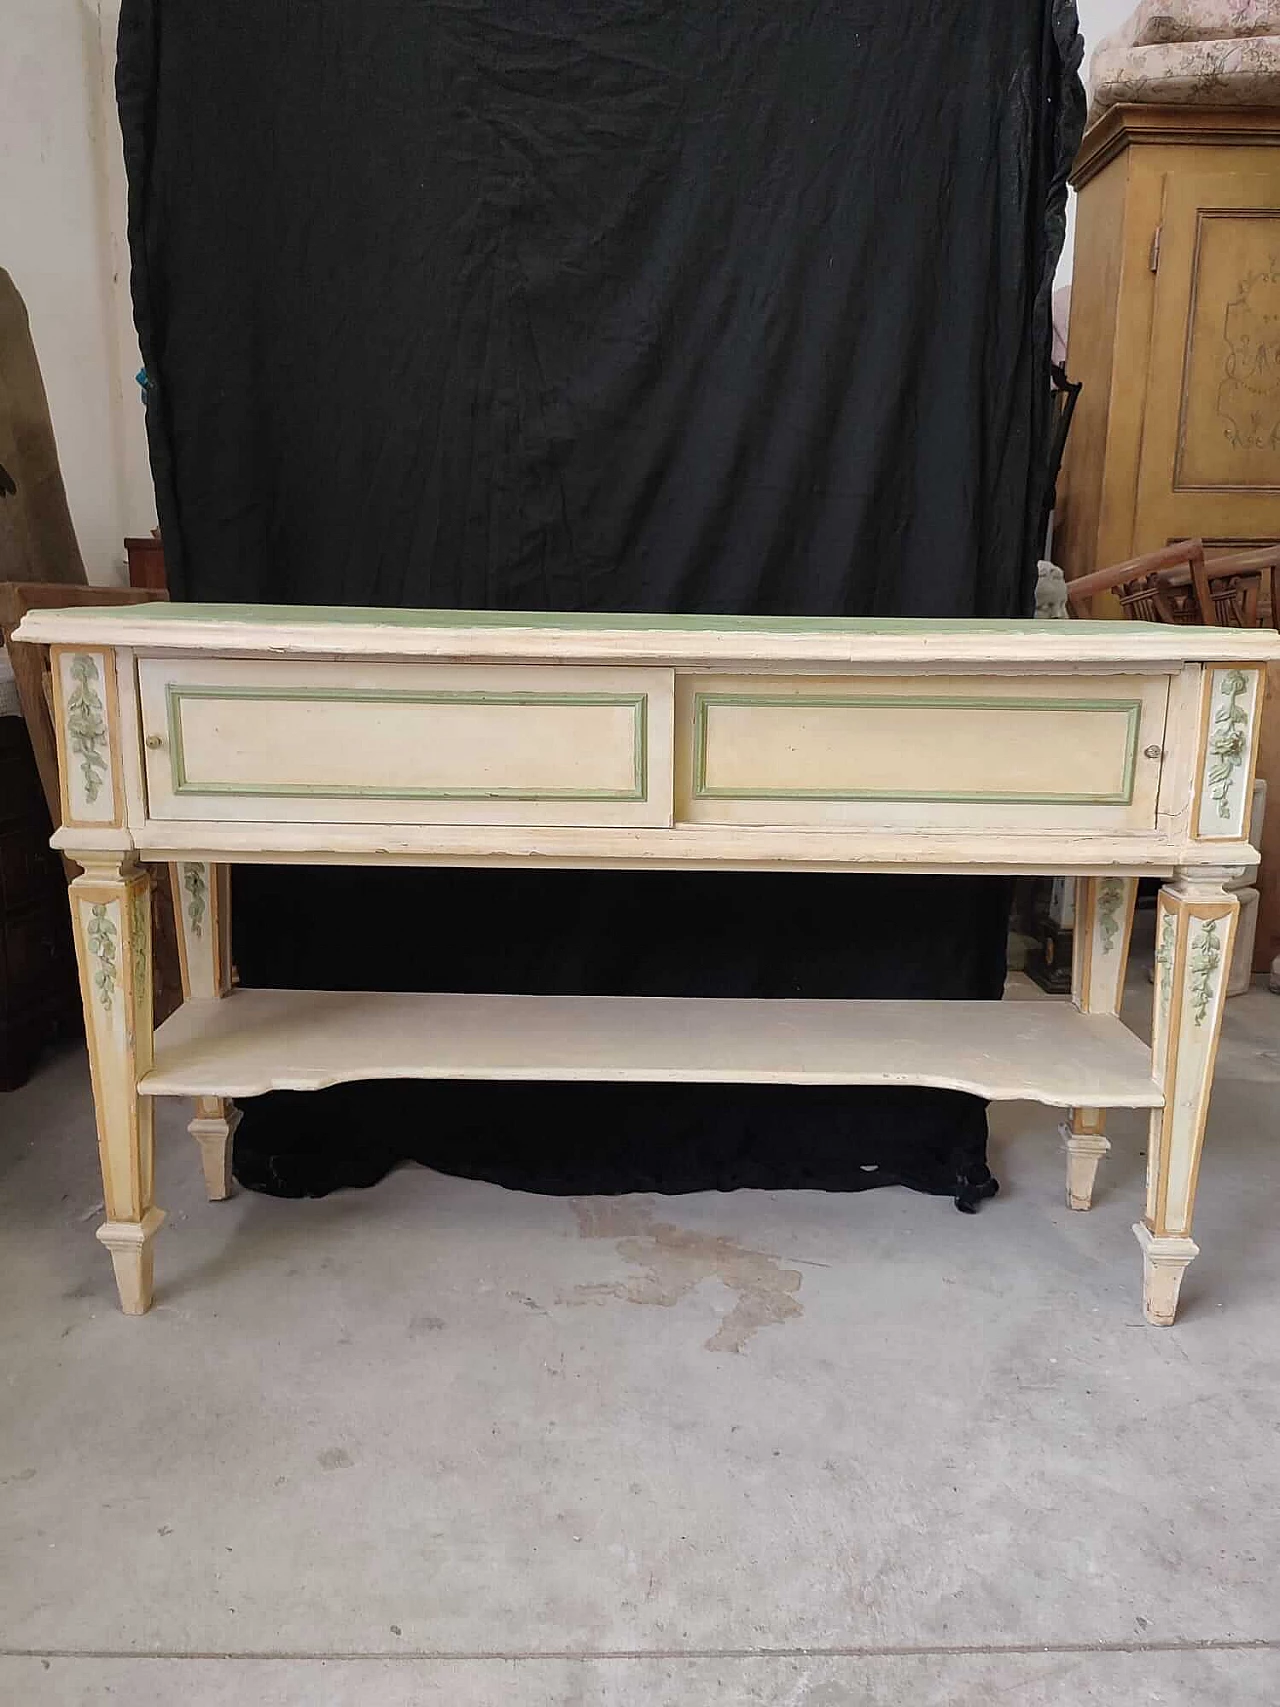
703, 701
176, 692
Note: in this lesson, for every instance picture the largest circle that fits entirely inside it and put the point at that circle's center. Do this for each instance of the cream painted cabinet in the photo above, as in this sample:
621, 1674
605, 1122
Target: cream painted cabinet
1175, 337
196, 736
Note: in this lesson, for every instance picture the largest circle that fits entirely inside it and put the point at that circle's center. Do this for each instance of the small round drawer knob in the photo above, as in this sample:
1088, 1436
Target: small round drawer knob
154, 741
1147, 752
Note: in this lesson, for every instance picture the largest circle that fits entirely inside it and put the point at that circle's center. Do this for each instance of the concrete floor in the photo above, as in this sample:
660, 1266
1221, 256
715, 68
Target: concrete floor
442, 1443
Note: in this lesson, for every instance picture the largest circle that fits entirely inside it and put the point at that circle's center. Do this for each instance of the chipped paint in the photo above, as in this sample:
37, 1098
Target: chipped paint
675, 1261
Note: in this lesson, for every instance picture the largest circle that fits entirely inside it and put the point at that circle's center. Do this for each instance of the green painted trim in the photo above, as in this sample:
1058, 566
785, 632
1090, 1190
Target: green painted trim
703, 702
165, 615
176, 692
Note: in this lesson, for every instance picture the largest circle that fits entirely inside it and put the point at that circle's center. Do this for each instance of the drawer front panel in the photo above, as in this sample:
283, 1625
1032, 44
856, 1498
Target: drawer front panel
402, 743
1031, 752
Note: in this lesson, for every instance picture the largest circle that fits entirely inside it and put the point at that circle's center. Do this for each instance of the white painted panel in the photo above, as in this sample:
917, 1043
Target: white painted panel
387, 746
1019, 752
945, 751
386, 743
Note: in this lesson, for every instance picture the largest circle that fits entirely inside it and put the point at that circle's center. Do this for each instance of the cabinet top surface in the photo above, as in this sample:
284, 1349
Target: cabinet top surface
613, 636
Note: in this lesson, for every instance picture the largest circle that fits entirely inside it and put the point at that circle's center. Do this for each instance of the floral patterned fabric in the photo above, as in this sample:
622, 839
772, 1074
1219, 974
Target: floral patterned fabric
1192, 52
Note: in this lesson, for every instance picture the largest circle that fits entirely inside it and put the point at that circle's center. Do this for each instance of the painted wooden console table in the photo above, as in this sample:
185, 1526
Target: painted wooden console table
202, 734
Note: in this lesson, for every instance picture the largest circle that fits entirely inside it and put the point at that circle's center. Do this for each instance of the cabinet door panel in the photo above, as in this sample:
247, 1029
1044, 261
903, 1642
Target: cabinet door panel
1211, 439
350, 742
1081, 752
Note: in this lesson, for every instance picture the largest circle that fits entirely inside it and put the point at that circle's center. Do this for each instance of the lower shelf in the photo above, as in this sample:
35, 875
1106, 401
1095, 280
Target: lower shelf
261, 1040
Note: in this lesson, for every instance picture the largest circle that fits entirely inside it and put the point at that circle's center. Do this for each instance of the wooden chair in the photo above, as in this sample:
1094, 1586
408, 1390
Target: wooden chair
1159, 587
1238, 590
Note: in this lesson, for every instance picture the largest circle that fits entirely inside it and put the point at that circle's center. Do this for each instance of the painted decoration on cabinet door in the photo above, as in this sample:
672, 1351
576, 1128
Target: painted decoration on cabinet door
1249, 396
1227, 778
1229, 438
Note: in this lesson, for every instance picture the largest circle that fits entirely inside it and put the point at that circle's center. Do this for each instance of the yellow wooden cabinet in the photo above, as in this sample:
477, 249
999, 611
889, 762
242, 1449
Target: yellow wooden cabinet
1175, 335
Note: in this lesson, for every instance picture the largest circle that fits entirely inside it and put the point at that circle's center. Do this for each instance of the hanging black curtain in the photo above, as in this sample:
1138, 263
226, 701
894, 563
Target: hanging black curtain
669, 305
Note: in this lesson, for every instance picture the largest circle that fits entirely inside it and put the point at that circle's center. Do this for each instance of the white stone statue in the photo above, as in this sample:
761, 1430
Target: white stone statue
1211, 53
1051, 593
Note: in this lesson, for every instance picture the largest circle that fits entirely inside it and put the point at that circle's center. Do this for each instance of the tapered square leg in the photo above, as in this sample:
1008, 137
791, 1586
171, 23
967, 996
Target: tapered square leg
202, 906
1195, 932
213, 1130
1086, 1145
131, 1258
1103, 927
111, 919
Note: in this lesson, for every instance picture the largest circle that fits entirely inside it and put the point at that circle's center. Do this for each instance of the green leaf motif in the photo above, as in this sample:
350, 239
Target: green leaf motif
1110, 896
1229, 742
1206, 958
101, 936
1164, 961
86, 725
193, 881
141, 943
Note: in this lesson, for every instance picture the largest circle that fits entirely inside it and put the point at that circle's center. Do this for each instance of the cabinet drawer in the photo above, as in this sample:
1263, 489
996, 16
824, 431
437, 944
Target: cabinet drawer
1022, 752
302, 741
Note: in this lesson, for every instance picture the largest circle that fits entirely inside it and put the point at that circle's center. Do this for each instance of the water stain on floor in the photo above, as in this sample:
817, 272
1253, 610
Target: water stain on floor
675, 1261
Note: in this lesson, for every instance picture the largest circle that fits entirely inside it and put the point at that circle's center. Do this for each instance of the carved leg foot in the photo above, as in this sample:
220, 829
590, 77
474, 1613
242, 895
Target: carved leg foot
1164, 1262
130, 1245
213, 1129
1086, 1145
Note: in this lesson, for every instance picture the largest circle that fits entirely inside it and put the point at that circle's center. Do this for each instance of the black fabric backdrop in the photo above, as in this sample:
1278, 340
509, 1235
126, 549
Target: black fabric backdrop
608, 305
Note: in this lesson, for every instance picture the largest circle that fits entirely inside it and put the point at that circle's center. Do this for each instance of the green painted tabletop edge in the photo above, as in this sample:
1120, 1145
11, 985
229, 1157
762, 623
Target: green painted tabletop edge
165, 613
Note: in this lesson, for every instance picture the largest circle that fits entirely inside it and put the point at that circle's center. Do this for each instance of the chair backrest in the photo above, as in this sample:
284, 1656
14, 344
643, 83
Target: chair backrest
1238, 590
1160, 596
1158, 587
